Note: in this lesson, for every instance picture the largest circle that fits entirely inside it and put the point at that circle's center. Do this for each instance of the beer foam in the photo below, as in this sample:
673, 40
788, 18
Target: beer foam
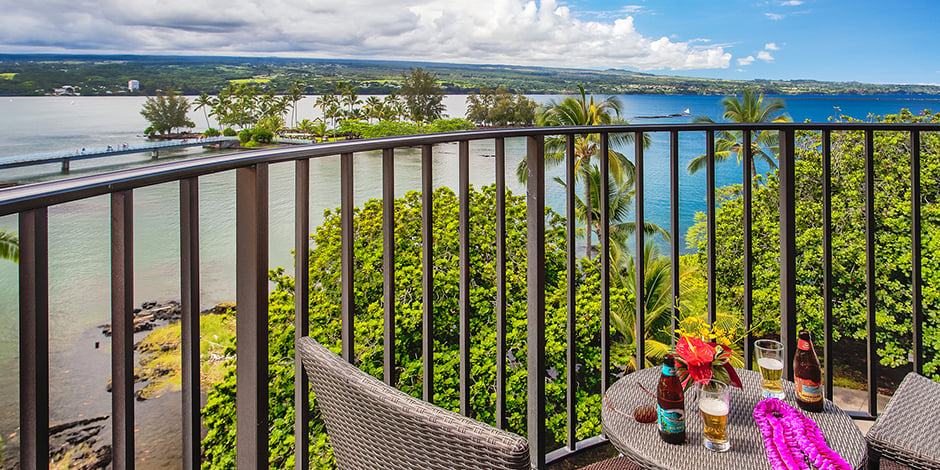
713, 406
770, 363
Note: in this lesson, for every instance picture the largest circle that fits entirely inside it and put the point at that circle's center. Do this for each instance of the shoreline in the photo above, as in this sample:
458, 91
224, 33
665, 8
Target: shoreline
80, 422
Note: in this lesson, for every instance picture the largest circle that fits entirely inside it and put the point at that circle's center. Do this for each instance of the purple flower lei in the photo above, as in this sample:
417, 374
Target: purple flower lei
788, 434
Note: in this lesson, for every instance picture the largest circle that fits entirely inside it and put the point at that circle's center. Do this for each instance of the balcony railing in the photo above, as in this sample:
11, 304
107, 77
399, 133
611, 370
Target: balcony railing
32, 203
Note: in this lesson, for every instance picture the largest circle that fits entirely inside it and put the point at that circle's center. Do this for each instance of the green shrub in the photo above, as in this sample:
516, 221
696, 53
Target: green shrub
211, 132
229, 132
251, 144
244, 136
260, 134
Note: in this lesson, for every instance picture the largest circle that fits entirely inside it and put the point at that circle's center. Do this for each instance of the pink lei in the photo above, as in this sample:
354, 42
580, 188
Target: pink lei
788, 435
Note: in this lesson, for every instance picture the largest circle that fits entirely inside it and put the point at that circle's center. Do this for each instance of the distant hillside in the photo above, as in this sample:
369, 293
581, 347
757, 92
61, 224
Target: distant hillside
25, 74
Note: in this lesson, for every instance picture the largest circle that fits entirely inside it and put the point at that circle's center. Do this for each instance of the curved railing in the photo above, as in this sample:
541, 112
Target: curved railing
31, 203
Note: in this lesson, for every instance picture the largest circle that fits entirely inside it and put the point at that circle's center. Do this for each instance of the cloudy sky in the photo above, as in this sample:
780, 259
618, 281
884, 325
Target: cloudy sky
842, 40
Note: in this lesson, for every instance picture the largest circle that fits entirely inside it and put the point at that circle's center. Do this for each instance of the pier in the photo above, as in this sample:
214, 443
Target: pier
65, 158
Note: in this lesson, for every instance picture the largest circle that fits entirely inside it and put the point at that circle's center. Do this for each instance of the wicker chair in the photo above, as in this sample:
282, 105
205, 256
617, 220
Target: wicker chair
372, 425
908, 431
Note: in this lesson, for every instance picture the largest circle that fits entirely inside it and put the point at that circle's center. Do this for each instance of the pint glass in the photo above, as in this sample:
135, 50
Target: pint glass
770, 363
713, 403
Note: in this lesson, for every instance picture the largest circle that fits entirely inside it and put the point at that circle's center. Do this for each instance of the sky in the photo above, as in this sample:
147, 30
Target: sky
832, 40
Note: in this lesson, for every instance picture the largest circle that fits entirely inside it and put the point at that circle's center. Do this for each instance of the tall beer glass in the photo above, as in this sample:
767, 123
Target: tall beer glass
770, 363
714, 404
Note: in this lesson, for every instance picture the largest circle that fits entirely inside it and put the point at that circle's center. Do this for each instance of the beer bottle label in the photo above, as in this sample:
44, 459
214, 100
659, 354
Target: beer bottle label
804, 345
808, 390
670, 371
671, 421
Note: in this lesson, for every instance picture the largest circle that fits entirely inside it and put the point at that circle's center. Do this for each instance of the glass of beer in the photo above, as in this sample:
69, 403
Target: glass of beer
713, 402
770, 363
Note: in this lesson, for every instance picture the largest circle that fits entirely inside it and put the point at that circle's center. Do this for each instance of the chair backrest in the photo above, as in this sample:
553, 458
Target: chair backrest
372, 425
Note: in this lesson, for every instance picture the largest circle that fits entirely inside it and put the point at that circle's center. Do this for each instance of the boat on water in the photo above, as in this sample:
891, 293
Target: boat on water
685, 112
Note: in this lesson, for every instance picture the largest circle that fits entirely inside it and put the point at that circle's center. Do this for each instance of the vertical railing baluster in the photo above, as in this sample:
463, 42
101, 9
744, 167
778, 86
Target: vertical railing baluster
827, 258
427, 274
638, 266
122, 329
535, 299
388, 262
710, 198
301, 310
674, 230
464, 235
748, 301
571, 362
787, 191
870, 286
189, 321
501, 419
347, 263
916, 294
251, 321
34, 338
604, 241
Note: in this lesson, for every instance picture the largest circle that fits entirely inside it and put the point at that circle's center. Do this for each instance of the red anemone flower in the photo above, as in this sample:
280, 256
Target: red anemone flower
697, 356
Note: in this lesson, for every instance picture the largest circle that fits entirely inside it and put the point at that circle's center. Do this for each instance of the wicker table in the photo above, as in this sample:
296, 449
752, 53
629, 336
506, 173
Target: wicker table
641, 443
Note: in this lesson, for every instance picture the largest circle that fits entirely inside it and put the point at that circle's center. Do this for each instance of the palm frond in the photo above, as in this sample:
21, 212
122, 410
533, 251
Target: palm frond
9, 246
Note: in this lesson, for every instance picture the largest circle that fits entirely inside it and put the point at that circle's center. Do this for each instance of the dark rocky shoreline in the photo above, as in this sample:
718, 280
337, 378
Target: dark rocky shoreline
85, 442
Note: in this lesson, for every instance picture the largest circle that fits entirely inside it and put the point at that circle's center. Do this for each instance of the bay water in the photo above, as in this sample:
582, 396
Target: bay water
79, 236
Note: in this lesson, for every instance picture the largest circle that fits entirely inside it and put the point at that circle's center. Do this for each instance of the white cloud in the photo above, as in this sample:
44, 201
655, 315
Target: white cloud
516, 32
774, 16
765, 56
746, 60
792, 3
771, 46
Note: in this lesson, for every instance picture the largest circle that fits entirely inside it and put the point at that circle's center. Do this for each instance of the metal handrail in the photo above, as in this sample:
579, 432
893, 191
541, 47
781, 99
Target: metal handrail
32, 201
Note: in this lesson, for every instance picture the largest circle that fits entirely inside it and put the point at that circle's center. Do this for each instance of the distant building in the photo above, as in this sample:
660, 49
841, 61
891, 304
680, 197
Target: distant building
66, 90
133, 85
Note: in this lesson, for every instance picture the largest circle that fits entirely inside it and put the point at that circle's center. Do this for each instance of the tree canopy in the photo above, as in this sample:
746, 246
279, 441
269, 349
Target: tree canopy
166, 112
423, 97
751, 107
892, 237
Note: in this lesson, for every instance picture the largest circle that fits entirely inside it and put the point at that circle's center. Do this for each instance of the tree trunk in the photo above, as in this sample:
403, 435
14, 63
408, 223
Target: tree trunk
588, 222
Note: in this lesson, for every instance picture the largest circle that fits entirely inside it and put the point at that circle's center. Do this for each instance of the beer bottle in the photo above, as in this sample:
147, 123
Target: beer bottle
670, 406
807, 374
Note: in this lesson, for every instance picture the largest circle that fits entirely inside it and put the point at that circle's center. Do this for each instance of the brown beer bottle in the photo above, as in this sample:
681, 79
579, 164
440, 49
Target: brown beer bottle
670, 406
807, 374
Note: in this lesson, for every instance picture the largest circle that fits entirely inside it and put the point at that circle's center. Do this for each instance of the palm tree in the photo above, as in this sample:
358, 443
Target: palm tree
296, 93
203, 102
373, 108
620, 203
764, 145
657, 306
584, 111
9, 246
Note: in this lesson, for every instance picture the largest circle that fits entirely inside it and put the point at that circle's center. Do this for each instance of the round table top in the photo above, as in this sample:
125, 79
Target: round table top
641, 443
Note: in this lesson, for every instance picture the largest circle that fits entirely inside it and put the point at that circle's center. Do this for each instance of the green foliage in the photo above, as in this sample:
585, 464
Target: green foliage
451, 125
25, 74
9, 245
751, 107
166, 112
255, 136
211, 132
499, 107
229, 132
262, 135
368, 130
325, 307
423, 97
892, 239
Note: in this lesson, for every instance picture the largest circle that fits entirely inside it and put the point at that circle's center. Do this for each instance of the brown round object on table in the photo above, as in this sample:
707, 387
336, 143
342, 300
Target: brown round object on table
644, 414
